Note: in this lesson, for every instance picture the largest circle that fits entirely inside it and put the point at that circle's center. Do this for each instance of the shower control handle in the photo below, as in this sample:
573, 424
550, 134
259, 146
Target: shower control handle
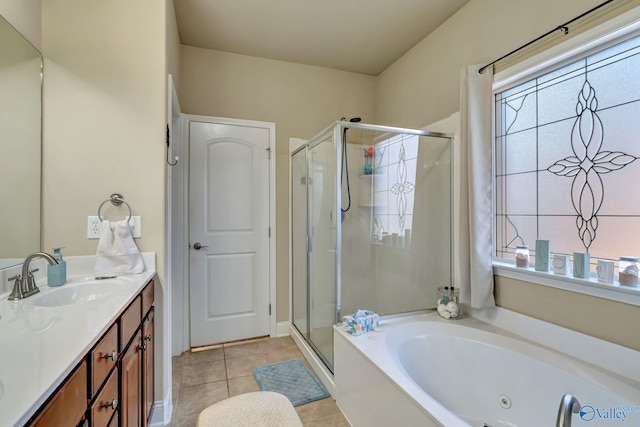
197, 246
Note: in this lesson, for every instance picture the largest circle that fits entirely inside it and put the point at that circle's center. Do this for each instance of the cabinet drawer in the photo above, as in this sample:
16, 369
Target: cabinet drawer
69, 404
147, 298
130, 321
103, 358
106, 403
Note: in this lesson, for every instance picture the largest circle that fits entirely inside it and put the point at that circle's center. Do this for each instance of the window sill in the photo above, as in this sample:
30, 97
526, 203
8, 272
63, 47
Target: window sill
614, 292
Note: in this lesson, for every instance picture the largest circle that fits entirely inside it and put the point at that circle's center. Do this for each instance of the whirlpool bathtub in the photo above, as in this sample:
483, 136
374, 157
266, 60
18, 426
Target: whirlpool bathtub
426, 371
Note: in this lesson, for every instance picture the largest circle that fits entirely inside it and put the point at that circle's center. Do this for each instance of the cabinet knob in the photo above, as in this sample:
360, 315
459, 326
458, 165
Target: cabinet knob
142, 347
147, 338
113, 356
113, 404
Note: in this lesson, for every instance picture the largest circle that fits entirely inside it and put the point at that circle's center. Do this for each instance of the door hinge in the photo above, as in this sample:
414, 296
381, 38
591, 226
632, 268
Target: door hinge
269, 153
269, 309
269, 232
309, 244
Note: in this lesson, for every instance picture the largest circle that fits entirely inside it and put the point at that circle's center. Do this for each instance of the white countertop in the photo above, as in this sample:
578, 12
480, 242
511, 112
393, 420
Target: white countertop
40, 346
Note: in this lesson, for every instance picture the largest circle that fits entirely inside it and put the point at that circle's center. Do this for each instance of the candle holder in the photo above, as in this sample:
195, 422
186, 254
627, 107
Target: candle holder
522, 256
628, 268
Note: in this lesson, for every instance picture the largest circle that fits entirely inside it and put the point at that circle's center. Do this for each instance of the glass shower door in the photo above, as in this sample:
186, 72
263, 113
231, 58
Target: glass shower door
396, 239
322, 217
299, 276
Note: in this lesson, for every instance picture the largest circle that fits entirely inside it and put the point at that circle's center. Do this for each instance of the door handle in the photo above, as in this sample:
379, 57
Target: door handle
197, 246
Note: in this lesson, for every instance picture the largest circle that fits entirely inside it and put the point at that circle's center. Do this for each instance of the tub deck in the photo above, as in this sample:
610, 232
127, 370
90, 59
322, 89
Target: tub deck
427, 371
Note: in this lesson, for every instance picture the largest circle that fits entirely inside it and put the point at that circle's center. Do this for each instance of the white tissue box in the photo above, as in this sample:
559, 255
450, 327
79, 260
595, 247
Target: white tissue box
361, 322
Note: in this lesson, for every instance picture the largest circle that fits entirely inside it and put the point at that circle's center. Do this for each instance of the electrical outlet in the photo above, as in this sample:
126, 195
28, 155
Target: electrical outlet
93, 227
136, 226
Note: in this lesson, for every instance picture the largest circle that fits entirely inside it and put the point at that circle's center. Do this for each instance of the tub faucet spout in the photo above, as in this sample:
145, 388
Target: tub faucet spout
568, 405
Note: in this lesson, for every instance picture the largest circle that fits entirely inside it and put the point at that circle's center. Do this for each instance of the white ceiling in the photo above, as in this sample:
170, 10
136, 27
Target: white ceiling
362, 36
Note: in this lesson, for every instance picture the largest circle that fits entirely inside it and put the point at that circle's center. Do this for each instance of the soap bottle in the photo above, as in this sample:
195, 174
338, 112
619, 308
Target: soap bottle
57, 274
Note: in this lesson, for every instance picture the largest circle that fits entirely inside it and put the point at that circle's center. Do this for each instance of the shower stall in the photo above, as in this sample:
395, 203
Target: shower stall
370, 225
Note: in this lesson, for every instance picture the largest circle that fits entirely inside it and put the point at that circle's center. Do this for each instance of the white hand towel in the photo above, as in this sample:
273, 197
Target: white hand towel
117, 253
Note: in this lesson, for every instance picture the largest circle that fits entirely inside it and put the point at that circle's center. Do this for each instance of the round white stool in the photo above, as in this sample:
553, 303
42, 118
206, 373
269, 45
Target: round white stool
257, 409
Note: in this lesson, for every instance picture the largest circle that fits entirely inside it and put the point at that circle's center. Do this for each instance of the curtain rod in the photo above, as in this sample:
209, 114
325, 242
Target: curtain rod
563, 27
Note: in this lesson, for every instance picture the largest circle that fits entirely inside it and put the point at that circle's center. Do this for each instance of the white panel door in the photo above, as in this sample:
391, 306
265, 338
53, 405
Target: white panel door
229, 232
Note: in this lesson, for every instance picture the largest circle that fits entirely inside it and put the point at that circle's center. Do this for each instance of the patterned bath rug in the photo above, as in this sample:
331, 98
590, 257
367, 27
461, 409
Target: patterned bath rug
291, 378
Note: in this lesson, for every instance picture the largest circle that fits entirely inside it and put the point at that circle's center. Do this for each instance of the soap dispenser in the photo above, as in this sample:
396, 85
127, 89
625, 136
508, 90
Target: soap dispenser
57, 274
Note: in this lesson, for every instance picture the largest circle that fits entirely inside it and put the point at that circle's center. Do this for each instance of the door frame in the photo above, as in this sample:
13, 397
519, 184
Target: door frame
271, 127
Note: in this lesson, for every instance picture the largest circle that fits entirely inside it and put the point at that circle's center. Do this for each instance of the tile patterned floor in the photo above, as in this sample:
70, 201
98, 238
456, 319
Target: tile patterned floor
203, 378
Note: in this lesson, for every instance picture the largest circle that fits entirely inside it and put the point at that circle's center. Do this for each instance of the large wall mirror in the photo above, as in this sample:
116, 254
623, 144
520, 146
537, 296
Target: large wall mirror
20, 146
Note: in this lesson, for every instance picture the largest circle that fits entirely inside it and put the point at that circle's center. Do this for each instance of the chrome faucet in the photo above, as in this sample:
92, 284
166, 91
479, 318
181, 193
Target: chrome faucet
25, 284
568, 405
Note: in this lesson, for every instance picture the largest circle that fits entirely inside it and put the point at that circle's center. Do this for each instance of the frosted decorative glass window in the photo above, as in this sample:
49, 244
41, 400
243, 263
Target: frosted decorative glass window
567, 152
394, 184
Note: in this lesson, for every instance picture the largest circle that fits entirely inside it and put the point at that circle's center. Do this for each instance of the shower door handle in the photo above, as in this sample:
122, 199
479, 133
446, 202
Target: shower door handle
197, 246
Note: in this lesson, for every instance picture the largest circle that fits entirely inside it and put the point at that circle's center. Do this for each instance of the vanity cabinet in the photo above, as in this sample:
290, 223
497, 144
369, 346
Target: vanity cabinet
113, 384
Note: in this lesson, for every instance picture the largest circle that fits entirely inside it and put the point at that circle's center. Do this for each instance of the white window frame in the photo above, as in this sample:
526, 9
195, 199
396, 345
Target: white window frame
614, 31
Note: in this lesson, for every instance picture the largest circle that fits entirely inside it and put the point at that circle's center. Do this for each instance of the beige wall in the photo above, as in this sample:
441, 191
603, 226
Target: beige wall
423, 87
608, 320
173, 45
25, 16
302, 100
104, 126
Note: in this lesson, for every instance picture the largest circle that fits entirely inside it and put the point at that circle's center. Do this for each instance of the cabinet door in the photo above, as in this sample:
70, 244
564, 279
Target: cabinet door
68, 405
131, 391
148, 338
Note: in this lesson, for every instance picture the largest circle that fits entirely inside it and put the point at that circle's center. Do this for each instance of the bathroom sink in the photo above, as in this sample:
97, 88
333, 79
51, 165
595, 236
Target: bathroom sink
78, 293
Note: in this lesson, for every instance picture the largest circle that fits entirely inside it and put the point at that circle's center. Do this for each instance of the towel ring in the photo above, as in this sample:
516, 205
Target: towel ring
116, 199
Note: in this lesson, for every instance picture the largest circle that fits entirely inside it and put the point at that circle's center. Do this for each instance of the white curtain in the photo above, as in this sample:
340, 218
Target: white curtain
473, 270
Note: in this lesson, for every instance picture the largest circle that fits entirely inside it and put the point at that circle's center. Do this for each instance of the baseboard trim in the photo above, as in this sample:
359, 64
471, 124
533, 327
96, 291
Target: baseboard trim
162, 410
282, 329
